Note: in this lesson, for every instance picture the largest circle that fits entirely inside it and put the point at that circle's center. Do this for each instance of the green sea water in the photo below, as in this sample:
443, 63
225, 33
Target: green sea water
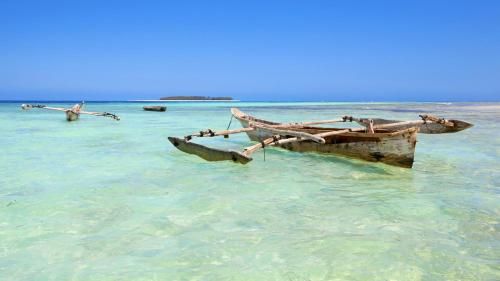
99, 199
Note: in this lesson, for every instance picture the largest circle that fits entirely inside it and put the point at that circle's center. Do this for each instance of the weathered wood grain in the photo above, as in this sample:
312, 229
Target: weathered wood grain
208, 153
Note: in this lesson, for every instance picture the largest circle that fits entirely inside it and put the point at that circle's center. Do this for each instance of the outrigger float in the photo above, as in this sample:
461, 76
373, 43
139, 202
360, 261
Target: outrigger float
73, 113
378, 140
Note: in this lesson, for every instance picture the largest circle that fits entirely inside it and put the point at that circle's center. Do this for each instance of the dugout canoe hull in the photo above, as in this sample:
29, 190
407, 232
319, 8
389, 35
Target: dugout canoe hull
392, 147
72, 116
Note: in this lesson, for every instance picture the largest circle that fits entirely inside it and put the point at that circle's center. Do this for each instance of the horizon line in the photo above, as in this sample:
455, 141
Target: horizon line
221, 101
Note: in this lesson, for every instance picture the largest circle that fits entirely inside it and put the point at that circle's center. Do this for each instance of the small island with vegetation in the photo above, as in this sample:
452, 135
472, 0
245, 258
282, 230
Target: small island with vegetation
200, 98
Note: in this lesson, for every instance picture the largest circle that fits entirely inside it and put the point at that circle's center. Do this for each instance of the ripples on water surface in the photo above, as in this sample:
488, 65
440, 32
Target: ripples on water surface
103, 200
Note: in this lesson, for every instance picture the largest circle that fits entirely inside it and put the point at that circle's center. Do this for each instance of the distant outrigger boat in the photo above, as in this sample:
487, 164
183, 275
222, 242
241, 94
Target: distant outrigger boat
73, 113
155, 108
388, 141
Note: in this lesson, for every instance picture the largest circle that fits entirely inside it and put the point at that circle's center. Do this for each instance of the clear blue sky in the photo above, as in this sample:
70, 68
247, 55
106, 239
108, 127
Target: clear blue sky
251, 50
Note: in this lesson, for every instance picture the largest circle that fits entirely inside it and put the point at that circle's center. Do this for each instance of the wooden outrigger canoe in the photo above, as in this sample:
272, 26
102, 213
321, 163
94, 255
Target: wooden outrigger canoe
389, 142
73, 113
391, 147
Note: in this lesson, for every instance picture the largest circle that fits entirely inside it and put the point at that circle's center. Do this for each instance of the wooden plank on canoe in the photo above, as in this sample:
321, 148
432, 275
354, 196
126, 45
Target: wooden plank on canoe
210, 133
285, 132
208, 153
105, 114
433, 125
452, 126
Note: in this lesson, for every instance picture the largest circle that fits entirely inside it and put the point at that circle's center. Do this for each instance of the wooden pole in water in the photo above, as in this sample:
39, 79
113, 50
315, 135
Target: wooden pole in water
310, 123
210, 133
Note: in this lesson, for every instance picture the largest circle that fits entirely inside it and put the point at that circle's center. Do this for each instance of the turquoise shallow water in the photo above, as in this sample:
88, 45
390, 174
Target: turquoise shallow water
98, 199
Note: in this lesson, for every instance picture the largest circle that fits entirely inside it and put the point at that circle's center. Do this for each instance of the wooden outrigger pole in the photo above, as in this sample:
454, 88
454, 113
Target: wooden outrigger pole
73, 113
388, 141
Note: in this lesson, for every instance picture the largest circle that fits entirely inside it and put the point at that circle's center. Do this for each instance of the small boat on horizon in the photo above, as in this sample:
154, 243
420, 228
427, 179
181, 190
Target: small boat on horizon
155, 108
378, 140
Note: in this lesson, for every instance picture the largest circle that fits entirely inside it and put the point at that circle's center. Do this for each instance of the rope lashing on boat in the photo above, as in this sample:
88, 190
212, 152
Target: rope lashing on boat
263, 145
369, 128
345, 118
424, 118
263, 148
231, 120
